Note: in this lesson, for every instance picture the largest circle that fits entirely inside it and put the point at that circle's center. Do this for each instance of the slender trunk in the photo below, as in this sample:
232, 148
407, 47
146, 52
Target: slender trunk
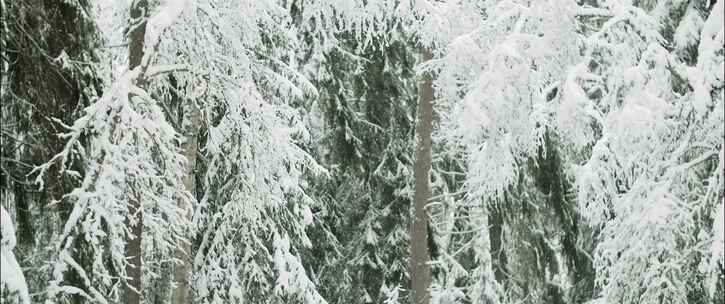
419, 255
495, 219
137, 32
133, 252
190, 126
487, 290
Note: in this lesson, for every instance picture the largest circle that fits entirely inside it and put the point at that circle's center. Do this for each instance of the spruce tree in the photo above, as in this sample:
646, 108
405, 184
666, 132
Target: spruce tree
365, 137
48, 77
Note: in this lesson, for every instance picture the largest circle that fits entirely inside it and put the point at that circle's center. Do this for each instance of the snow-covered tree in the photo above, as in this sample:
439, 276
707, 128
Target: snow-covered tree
495, 81
13, 288
645, 106
48, 51
637, 123
363, 124
264, 151
234, 63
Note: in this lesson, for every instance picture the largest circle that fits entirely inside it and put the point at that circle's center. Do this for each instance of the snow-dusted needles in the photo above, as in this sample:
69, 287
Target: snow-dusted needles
362, 151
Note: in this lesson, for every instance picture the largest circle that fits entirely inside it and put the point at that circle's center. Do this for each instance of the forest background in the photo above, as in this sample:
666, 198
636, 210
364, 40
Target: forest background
311, 151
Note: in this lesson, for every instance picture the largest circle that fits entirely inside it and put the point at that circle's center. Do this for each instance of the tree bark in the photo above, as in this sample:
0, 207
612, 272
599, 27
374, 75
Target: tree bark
498, 255
487, 289
190, 126
419, 254
132, 288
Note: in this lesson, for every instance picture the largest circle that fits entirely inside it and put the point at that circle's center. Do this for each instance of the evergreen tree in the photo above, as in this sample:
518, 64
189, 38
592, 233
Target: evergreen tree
364, 124
48, 77
285, 151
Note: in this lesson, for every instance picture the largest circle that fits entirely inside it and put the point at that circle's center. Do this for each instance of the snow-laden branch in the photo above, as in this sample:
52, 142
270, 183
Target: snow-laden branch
12, 280
157, 70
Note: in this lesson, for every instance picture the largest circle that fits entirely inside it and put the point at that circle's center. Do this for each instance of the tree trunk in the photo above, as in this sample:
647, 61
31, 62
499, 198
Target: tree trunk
487, 289
419, 255
133, 241
190, 127
498, 255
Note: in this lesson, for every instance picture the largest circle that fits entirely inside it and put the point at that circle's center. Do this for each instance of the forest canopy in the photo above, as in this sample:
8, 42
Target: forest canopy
362, 151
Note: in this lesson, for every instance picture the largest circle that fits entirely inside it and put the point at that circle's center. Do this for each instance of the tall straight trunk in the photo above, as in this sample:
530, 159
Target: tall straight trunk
132, 288
495, 232
190, 126
486, 291
419, 254
33, 89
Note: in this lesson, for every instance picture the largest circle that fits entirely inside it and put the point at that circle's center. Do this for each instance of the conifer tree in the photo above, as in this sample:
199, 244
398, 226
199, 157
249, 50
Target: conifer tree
48, 77
364, 122
274, 151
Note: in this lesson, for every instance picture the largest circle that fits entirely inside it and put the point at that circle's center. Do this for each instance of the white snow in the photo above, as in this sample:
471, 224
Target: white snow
11, 275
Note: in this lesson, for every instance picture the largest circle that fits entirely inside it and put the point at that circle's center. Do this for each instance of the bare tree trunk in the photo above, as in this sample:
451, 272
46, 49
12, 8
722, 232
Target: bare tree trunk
139, 11
419, 255
190, 126
486, 292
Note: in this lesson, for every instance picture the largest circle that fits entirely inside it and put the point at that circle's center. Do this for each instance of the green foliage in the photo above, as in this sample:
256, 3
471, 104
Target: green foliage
367, 105
49, 51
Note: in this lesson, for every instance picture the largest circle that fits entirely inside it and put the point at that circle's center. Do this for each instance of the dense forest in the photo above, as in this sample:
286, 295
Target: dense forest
362, 151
